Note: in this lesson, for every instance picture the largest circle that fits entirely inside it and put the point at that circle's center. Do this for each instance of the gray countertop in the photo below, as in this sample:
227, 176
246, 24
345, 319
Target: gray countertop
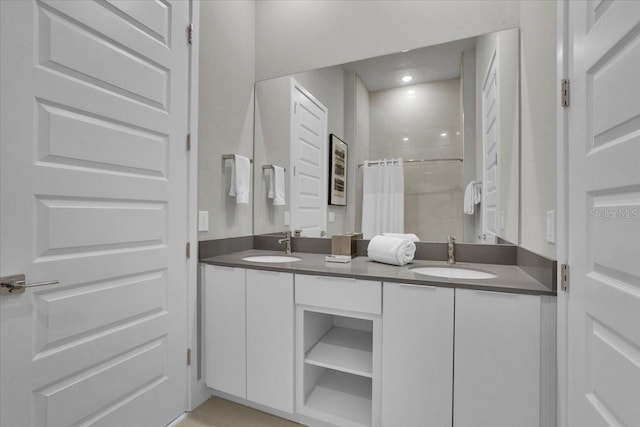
510, 277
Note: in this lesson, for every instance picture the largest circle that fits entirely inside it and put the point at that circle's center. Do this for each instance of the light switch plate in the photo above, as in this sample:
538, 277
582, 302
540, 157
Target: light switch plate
332, 216
286, 218
551, 226
203, 220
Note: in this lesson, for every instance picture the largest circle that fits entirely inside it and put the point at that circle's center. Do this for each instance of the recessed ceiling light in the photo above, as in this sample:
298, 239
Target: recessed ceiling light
443, 134
405, 139
457, 133
411, 92
407, 78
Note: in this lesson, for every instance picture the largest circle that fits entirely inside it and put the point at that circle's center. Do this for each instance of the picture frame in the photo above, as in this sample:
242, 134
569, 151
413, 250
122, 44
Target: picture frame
338, 171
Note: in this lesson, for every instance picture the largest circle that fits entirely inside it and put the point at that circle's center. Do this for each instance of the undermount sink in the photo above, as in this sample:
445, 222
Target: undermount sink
271, 258
453, 273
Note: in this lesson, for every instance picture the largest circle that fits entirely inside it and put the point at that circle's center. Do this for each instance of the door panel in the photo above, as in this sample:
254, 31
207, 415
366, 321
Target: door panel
309, 159
604, 214
94, 116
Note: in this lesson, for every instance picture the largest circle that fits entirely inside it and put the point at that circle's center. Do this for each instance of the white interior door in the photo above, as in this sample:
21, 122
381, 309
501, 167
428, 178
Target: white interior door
309, 154
604, 214
491, 148
93, 194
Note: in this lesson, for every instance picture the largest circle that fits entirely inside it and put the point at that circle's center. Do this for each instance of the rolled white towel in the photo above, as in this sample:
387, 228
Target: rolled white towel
410, 236
391, 250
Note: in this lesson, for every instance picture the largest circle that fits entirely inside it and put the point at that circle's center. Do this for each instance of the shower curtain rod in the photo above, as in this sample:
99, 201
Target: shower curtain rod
377, 162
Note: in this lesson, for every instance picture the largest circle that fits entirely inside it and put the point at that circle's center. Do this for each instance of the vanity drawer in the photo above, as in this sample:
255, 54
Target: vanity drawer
342, 293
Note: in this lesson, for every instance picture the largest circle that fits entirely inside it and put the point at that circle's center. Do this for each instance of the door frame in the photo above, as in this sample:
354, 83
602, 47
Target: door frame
197, 391
563, 50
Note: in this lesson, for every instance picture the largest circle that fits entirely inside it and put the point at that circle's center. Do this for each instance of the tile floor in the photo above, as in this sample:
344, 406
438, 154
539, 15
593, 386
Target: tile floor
217, 412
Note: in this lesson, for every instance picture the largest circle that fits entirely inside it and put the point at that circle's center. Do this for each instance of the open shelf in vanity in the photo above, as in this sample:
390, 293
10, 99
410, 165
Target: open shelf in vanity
338, 367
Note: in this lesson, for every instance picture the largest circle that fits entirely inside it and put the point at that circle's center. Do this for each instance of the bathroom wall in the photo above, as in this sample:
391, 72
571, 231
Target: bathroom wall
358, 110
225, 116
338, 34
272, 136
292, 36
433, 190
507, 45
468, 102
539, 106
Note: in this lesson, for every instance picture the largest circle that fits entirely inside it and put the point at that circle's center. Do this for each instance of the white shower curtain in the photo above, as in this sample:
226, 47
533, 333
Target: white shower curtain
382, 197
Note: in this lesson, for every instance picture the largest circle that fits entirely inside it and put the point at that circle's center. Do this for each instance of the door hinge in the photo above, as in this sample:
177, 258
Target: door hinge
190, 33
188, 250
565, 93
564, 277
188, 142
188, 357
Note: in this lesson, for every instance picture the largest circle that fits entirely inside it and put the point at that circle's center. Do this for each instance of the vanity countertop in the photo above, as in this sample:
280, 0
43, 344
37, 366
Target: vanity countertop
510, 277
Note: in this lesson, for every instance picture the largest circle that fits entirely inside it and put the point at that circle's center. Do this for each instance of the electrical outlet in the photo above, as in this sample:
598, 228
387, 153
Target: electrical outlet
332, 216
203, 220
551, 226
286, 218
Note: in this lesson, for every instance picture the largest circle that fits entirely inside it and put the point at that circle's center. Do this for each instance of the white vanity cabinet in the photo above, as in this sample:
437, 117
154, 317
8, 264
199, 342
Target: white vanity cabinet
417, 355
225, 329
338, 349
249, 332
497, 359
270, 332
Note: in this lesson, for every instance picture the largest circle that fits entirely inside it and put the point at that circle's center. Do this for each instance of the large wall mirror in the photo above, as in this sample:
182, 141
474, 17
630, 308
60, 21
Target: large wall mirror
450, 112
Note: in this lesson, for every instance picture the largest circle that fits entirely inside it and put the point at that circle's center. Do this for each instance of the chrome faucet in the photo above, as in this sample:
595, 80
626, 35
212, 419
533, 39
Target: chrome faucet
287, 242
451, 246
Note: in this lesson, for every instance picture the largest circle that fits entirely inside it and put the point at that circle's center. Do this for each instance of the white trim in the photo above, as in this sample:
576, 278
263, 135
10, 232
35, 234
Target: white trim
197, 392
563, 47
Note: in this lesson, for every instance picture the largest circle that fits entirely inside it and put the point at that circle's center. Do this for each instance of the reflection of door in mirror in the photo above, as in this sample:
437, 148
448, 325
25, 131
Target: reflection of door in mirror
309, 139
490, 148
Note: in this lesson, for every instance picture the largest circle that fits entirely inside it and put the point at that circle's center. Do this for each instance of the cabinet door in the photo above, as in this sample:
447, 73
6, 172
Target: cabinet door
270, 331
497, 360
417, 355
224, 314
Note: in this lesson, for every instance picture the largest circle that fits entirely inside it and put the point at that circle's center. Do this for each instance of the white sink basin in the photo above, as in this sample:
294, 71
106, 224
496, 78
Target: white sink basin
271, 258
453, 273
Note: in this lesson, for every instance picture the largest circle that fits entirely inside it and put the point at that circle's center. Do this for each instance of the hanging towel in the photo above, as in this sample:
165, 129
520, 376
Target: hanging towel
240, 179
468, 198
410, 236
391, 250
277, 180
472, 196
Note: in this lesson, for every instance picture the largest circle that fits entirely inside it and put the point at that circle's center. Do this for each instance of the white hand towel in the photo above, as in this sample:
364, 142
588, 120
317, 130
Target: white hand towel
240, 179
410, 236
477, 193
391, 250
278, 186
469, 197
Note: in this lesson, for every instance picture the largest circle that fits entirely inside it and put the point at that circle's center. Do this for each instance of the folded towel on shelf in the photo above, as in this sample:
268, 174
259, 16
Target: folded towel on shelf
240, 179
391, 250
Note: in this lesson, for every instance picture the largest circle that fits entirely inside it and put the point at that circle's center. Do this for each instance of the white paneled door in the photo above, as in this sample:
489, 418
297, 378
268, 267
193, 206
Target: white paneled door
93, 194
604, 214
491, 148
309, 154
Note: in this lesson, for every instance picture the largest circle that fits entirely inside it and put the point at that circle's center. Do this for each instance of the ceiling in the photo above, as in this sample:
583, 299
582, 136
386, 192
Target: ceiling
439, 62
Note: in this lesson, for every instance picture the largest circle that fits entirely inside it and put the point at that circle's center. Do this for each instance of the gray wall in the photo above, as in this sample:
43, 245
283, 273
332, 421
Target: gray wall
292, 36
538, 141
272, 136
509, 133
433, 190
225, 116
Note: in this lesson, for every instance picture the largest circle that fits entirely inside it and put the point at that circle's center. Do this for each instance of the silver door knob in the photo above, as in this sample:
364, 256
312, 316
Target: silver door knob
16, 284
